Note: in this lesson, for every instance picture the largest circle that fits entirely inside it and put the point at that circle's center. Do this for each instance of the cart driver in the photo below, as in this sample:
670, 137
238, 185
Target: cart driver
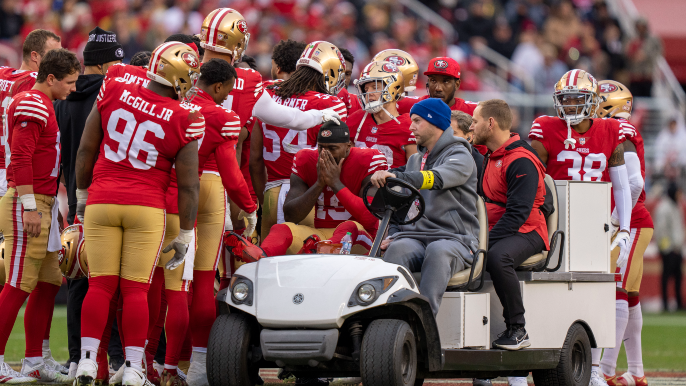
444, 240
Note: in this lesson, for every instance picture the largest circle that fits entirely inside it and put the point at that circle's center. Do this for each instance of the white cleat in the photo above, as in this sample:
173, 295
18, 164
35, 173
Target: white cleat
51, 363
134, 377
197, 372
11, 377
86, 372
350, 381
182, 375
118, 377
44, 374
597, 377
517, 381
72, 369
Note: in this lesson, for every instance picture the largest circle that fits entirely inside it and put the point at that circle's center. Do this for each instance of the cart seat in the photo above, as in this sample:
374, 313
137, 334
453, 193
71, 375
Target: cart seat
538, 261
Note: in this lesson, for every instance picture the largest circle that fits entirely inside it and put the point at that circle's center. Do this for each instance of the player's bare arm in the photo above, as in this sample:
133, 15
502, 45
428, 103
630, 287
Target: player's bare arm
239, 146
617, 157
541, 150
88, 149
258, 172
365, 182
189, 184
301, 198
409, 150
629, 147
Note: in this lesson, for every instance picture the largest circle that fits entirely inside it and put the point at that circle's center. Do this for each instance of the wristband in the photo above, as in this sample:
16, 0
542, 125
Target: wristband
428, 180
81, 195
185, 236
28, 201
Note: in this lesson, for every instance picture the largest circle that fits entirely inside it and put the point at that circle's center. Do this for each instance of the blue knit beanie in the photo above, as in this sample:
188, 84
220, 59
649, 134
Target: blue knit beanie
434, 110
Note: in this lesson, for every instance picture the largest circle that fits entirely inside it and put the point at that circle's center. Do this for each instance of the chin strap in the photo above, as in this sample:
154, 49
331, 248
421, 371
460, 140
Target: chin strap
390, 115
569, 141
359, 128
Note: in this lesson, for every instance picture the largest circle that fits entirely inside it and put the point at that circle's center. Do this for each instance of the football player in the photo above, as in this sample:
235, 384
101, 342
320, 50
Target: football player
380, 126
405, 63
12, 82
576, 146
617, 102
330, 180
138, 133
444, 81
310, 87
351, 102
29, 210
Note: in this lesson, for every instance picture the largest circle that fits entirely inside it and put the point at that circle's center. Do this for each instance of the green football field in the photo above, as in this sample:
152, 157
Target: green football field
664, 339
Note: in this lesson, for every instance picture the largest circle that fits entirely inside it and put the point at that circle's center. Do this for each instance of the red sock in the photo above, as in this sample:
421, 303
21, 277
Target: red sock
46, 335
135, 314
176, 325
203, 310
118, 314
103, 367
101, 291
155, 298
186, 349
278, 241
342, 229
224, 283
37, 316
154, 335
11, 300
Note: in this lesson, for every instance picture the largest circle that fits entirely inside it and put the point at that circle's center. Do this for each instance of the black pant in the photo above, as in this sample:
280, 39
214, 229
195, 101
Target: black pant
77, 290
503, 257
671, 267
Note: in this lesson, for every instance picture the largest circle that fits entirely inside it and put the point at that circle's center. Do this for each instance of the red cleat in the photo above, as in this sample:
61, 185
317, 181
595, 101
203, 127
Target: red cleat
309, 245
628, 379
152, 374
241, 248
611, 380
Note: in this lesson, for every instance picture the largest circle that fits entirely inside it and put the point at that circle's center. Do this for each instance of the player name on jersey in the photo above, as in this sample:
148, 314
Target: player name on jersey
295, 103
146, 107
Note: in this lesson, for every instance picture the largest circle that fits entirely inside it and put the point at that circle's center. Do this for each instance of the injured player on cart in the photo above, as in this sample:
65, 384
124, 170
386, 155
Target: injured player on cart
331, 180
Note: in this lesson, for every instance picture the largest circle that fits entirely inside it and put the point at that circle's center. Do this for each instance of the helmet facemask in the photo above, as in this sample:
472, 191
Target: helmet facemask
382, 90
574, 107
187, 94
340, 81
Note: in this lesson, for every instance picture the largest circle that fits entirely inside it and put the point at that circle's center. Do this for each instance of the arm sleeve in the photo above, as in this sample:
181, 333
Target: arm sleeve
232, 179
272, 113
521, 194
636, 182
622, 195
23, 146
354, 205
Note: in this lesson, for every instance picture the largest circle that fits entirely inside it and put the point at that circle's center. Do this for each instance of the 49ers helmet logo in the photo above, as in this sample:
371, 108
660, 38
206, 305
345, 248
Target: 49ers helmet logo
190, 59
242, 26
608, 87
441, 64
389, 67
397, 60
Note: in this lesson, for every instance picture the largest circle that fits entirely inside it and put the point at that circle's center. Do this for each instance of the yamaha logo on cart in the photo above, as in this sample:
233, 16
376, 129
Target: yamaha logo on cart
298, 298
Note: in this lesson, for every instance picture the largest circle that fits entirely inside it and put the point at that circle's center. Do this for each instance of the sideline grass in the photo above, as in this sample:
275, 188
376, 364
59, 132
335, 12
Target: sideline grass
664, 339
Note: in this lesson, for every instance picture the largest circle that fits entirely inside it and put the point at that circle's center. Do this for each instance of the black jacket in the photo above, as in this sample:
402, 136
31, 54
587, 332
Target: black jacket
71, 117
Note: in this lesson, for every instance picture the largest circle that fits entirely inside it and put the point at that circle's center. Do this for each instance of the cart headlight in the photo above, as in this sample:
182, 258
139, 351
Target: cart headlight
366, 293
241, 291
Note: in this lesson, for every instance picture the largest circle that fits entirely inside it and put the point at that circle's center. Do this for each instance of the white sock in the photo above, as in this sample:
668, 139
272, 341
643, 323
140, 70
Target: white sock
170, 367
200, 349
33, 361
46, 347
90, 345
609, 361
135, 356
2, 358
632, 341
595, 356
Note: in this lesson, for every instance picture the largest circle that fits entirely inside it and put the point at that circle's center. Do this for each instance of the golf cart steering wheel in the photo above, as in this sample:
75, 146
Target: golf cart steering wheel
398, 197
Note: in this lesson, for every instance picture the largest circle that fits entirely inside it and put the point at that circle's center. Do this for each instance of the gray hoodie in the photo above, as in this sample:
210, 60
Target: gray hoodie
451, 204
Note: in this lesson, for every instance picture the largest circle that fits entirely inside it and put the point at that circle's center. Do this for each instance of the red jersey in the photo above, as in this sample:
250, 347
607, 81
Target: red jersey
588, 160
33, 150
247, 89
389, 138
357, 166
640, 217
8, 77
405, 104
143, 132
280, 144
132, 74
351, 102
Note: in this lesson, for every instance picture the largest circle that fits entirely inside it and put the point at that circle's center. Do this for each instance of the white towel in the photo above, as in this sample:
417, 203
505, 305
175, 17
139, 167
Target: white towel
189, 261
54, 240
285, 187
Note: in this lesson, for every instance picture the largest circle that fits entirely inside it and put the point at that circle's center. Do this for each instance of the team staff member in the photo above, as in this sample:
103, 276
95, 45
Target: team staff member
28, 212
124, 204
101, 52
444, 81
461, 123
514, 189
444, 170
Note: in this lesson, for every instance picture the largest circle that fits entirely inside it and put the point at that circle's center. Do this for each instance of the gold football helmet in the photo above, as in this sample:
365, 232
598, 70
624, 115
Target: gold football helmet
576, 96
225, 31
327, 59
405, 63
72, 258
389, 84
616, 100
176, 65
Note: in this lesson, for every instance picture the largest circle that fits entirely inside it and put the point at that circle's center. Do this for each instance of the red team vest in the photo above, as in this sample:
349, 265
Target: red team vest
389, 138
495, 188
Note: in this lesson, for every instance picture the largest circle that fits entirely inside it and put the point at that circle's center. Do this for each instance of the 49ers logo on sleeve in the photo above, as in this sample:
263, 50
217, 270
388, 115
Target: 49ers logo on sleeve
397, 60
441, 64
389, 67
608, 87
190, 59
242, 26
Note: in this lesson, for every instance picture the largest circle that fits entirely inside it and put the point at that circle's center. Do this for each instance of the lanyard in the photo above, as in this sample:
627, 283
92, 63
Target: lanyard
426, 155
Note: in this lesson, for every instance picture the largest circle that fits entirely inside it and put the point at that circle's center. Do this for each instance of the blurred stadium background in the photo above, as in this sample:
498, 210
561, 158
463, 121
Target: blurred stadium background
511, 49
